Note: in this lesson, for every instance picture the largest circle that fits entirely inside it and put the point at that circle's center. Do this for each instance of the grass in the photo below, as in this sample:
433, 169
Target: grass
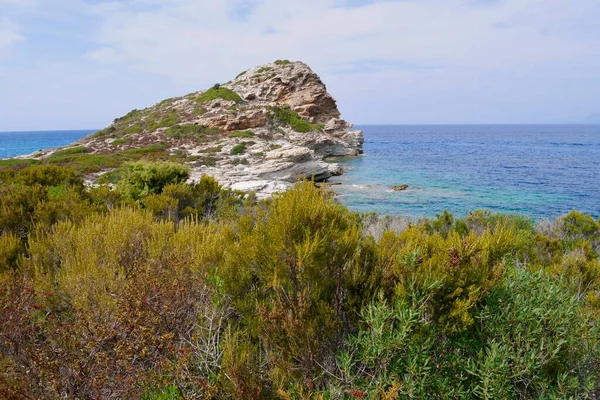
264, 69
86, 163
219, 92
152, 123
17, 162
71, 151
216, 149
119, 142
191, 131
241, 134
238, 149
287, 117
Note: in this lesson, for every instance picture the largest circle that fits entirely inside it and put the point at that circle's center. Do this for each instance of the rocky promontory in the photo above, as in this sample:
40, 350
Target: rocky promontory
263, 131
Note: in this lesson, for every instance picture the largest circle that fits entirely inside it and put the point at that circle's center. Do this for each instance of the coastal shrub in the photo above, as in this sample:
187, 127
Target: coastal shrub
576, 225
285, 116
456, 271
157, 288
71, 150
241, 134
119, 142
238, 149
143, 178
191, 131
219, 92
282, 62
292, 277
48, 175
545, 352
11, 246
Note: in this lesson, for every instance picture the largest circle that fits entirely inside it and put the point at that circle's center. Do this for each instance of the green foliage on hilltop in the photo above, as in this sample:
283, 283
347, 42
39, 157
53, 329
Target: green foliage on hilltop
157, 289
219, 92
286, 117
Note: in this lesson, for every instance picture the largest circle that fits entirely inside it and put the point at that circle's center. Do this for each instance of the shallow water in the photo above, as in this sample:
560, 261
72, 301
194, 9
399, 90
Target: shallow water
19, 143
537, 170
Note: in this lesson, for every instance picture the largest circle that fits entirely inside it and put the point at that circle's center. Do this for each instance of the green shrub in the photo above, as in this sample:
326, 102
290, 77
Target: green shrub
241, 134
219, 93
191, 131
285, 116
170, 393
11, 246
283, 62
143, 178
576, 225
238, 149
119, 142
71, 150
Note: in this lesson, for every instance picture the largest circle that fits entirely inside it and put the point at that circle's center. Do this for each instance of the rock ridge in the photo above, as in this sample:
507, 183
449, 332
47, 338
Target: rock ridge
262, 131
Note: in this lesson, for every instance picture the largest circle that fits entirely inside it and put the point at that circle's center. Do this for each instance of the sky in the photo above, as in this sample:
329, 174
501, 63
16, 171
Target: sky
78, 64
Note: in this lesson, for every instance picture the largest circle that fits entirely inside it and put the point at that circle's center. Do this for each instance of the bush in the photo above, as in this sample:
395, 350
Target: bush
162, 289
241, 134
143, 178
238, 149
285, 116
219, 92
193, 131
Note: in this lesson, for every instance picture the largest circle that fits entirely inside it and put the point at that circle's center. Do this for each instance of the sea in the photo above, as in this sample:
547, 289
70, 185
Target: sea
542, 171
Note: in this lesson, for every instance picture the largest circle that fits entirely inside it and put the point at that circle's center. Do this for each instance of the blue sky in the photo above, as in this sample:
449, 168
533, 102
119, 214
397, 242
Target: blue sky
68, 64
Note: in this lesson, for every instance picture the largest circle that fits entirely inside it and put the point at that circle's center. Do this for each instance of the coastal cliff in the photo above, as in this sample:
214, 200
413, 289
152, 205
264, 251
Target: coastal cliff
263, 131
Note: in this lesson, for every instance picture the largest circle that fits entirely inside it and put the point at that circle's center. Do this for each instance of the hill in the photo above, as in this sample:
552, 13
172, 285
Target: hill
262, 131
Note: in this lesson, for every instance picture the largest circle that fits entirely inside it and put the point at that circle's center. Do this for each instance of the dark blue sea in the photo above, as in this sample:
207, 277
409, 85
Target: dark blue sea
537, 170
19, 143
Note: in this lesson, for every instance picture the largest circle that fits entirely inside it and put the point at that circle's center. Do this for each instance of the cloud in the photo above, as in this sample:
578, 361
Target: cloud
9, 35
384, 60
198, 32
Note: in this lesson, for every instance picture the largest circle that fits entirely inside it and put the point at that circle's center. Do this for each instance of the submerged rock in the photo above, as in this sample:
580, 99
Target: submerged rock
399, 188
263, 131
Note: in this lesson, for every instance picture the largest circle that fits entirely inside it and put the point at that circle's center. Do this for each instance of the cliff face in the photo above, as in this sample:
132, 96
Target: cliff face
262, 131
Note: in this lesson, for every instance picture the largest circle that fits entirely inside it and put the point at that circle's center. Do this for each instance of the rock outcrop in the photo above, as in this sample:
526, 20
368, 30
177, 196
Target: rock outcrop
262, 131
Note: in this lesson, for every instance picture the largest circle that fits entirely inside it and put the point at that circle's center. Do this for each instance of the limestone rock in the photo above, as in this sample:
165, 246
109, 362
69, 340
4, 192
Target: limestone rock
231, 131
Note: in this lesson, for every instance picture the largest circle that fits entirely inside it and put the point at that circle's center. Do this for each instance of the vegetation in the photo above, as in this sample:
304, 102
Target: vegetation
158, 289
238, 149
219, 92
71, 150
192, 131
283, 62
286, 117
241, 134
143, 178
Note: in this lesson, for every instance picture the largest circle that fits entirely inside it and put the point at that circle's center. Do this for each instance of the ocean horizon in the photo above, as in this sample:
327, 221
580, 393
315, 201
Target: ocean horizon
539, 170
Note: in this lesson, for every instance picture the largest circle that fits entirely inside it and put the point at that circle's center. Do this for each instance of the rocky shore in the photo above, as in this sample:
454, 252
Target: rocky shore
263, 131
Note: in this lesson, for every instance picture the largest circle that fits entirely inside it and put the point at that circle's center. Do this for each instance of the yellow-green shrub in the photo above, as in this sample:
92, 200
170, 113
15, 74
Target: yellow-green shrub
456, 272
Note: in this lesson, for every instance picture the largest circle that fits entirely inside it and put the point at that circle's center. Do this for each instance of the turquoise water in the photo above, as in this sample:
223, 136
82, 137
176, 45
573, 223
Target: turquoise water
537, 170
19, 143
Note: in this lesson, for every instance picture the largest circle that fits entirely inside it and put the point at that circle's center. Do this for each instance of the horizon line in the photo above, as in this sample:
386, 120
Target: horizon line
355, 124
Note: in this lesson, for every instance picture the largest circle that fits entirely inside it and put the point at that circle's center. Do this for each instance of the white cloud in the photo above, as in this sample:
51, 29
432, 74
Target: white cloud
191, 40
385, 61
9, 35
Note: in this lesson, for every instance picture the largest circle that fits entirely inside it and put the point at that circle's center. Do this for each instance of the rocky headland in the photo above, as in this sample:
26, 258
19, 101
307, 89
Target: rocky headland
262, 131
